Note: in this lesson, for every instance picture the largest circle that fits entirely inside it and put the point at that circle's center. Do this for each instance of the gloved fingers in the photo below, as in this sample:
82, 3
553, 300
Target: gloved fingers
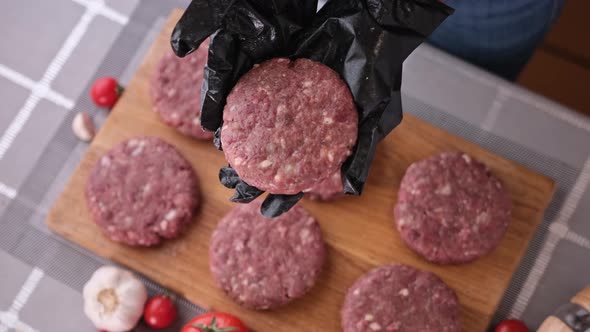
245, 193
275, 205
418, 16
356, 167
338, 9
217, 139
201, 19
228, 177
222, 71
357, 48
371, 131
392, 115
261, 23
297, 11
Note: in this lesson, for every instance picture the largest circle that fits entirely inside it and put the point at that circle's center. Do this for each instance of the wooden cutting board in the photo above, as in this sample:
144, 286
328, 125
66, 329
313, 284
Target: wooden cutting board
359, 230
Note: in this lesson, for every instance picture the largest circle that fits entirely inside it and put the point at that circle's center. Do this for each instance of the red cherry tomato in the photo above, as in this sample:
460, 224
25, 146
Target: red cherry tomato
159, 312
105, 92
511, 325
214, 322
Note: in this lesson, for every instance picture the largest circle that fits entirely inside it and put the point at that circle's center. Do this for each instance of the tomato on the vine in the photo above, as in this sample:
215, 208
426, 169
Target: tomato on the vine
511, 325
105, 92
215, 322
159, 312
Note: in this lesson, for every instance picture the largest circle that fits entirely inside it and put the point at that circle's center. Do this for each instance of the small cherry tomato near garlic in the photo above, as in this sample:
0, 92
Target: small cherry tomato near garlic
511, 325
114, 299
105, 92
159, 311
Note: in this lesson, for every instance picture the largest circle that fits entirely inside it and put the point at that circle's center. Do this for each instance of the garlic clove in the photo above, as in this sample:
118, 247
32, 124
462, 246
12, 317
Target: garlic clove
83, 126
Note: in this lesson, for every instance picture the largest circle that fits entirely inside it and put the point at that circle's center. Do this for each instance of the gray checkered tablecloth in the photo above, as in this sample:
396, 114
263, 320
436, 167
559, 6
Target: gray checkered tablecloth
53, 50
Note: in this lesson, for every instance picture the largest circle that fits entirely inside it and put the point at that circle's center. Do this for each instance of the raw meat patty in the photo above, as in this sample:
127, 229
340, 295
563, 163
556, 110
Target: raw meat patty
176, 91
142, 191
328, 190
400, 298
451, 209
288, 125
265, 263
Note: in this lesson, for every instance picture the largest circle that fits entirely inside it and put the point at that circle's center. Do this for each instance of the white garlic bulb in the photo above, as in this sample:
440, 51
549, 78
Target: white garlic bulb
114, 299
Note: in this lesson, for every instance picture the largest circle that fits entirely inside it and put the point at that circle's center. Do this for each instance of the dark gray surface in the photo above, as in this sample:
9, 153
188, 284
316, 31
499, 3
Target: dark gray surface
86, 58
60, 317
124, 7
32, 32
13, 97
440, 89
36, 133
12, 274
580, 219
554, 288
547, 137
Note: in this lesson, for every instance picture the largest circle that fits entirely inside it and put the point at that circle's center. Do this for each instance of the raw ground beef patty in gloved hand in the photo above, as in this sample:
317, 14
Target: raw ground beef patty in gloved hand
400, 298
265, 263
142, 191
176, 91
288, 125
451, 209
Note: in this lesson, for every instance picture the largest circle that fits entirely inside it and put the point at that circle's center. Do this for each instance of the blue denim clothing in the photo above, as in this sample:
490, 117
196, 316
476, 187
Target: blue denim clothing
498, 35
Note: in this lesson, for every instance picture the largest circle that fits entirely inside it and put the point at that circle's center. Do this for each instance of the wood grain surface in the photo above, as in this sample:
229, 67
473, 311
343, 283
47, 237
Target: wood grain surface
358, 230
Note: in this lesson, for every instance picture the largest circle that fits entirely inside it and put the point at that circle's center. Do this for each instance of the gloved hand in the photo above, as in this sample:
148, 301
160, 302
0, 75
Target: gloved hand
365, 41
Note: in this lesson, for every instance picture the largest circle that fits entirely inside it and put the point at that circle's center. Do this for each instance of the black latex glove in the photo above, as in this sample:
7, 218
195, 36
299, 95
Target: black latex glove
365, 41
